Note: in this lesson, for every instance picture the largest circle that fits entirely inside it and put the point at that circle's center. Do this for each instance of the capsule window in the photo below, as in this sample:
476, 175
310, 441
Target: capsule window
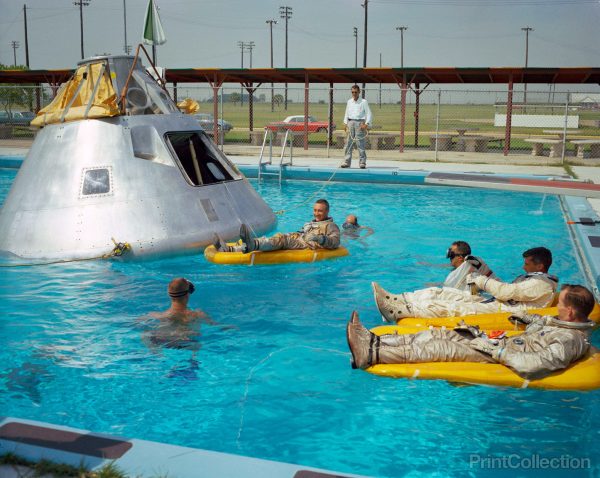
96, 182
197, 159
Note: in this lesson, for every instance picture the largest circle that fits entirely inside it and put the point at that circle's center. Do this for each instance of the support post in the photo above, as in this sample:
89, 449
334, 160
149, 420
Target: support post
330, 118
402, 112
417, 95
216, 84
175, 92
509, 106
38, 98
306, 86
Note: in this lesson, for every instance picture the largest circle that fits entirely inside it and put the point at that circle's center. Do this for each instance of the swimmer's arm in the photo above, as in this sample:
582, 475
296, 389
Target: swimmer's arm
204, 317
369, 231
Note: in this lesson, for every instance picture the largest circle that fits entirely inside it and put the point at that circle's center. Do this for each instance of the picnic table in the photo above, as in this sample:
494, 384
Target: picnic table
594, 145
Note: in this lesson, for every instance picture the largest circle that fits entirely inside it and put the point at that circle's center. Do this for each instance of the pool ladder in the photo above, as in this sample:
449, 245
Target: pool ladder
262, 162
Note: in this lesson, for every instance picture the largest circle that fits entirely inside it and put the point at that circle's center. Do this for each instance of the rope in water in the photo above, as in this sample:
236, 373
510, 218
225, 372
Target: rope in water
117, 251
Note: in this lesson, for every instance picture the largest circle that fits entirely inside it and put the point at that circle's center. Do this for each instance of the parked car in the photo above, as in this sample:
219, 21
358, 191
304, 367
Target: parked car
16, 117
207, 121
296, 123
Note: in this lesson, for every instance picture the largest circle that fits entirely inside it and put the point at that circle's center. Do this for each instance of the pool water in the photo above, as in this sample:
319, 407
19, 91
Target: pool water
279, 386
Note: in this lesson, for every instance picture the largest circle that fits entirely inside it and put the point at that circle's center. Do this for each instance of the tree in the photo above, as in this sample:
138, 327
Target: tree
13, 94
235, 98
278, 100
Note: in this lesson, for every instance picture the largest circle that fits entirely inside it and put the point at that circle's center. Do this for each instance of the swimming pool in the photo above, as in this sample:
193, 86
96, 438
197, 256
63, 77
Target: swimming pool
279, 386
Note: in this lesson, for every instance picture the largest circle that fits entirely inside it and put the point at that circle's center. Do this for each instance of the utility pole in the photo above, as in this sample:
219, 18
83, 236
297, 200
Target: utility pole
526, 29
26, 36
249, 46
81, 4
355, 33
272, 22
242, 46
14, 45
126, 47
285, 12
402, 44
366, 7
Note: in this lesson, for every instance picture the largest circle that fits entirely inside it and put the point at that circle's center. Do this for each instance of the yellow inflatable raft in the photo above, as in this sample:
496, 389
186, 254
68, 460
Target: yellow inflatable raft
583, 375
498, 320
272, 257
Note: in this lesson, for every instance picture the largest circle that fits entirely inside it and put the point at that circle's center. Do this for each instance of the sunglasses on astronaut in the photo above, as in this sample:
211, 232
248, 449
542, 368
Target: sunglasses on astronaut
450, 254
181, 293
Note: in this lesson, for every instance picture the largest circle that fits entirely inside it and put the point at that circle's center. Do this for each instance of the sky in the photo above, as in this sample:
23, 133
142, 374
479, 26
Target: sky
205, 33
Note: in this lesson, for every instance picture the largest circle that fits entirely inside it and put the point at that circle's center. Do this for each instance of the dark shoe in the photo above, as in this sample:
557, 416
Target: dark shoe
247, 238
360, 342
363, 166
391, 306
220, 245
343, 165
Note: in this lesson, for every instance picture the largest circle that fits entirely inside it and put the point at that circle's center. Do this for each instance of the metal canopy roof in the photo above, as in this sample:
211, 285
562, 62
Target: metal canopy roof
387, 75
450, 75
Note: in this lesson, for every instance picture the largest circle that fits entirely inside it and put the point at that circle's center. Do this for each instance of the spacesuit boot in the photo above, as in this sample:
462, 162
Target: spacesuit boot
247, 239
369, 349
391, 306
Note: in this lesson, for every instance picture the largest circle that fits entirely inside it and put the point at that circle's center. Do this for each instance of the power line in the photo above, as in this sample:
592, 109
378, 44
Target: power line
285, 12
401, 29
81, 4
355, 33
14, 45
272, 22
526, 29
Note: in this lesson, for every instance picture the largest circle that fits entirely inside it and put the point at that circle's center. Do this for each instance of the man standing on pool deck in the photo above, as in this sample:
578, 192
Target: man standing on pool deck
532, 290
357, 119
320, 233
548, 343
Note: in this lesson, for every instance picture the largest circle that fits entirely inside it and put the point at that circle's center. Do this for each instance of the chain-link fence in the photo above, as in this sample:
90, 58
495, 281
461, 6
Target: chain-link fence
434, 124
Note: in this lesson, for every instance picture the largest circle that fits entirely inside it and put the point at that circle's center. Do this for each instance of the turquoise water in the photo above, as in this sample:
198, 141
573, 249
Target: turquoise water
279, 386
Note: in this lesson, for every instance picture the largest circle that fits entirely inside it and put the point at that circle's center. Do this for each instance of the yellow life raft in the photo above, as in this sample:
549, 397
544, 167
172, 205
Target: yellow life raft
283, 256
582, 375
497, 320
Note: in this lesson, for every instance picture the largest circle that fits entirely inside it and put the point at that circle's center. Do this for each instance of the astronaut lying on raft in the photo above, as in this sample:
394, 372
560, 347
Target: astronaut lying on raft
549, 343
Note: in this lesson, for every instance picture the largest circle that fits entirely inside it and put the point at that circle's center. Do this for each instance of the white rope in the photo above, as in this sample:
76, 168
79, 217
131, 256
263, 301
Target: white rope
329, 180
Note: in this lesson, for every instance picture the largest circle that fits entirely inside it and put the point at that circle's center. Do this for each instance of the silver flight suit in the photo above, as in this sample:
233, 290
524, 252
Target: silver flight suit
314, 235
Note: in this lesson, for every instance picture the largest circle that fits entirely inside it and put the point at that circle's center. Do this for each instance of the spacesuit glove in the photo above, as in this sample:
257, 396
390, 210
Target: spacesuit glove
477, 279
465, 329
318, 238
523, 317
483, 345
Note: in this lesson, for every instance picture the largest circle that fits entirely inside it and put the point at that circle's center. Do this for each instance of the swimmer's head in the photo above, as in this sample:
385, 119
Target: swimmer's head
180, 287
351, 219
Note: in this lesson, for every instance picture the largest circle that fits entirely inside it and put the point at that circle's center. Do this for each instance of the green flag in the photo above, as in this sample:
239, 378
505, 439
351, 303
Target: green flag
153, 30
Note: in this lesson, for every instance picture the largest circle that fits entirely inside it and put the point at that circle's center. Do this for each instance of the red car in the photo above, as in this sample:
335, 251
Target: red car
296, 123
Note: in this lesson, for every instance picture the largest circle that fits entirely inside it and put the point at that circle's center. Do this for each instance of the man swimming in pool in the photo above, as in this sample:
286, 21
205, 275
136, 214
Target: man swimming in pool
320, 233
175, 329
548, 343
351, 229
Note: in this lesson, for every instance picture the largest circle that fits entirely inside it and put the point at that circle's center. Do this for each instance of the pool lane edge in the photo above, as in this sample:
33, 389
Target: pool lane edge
35, 441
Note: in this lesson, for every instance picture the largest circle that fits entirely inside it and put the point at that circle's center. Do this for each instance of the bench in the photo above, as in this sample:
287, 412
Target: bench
382, 140
476, 144
537, 148
257, 136
379, 140
594, 147
444, 141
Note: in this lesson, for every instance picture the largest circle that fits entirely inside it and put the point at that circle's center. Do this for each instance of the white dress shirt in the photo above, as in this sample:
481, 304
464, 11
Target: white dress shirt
358, 110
